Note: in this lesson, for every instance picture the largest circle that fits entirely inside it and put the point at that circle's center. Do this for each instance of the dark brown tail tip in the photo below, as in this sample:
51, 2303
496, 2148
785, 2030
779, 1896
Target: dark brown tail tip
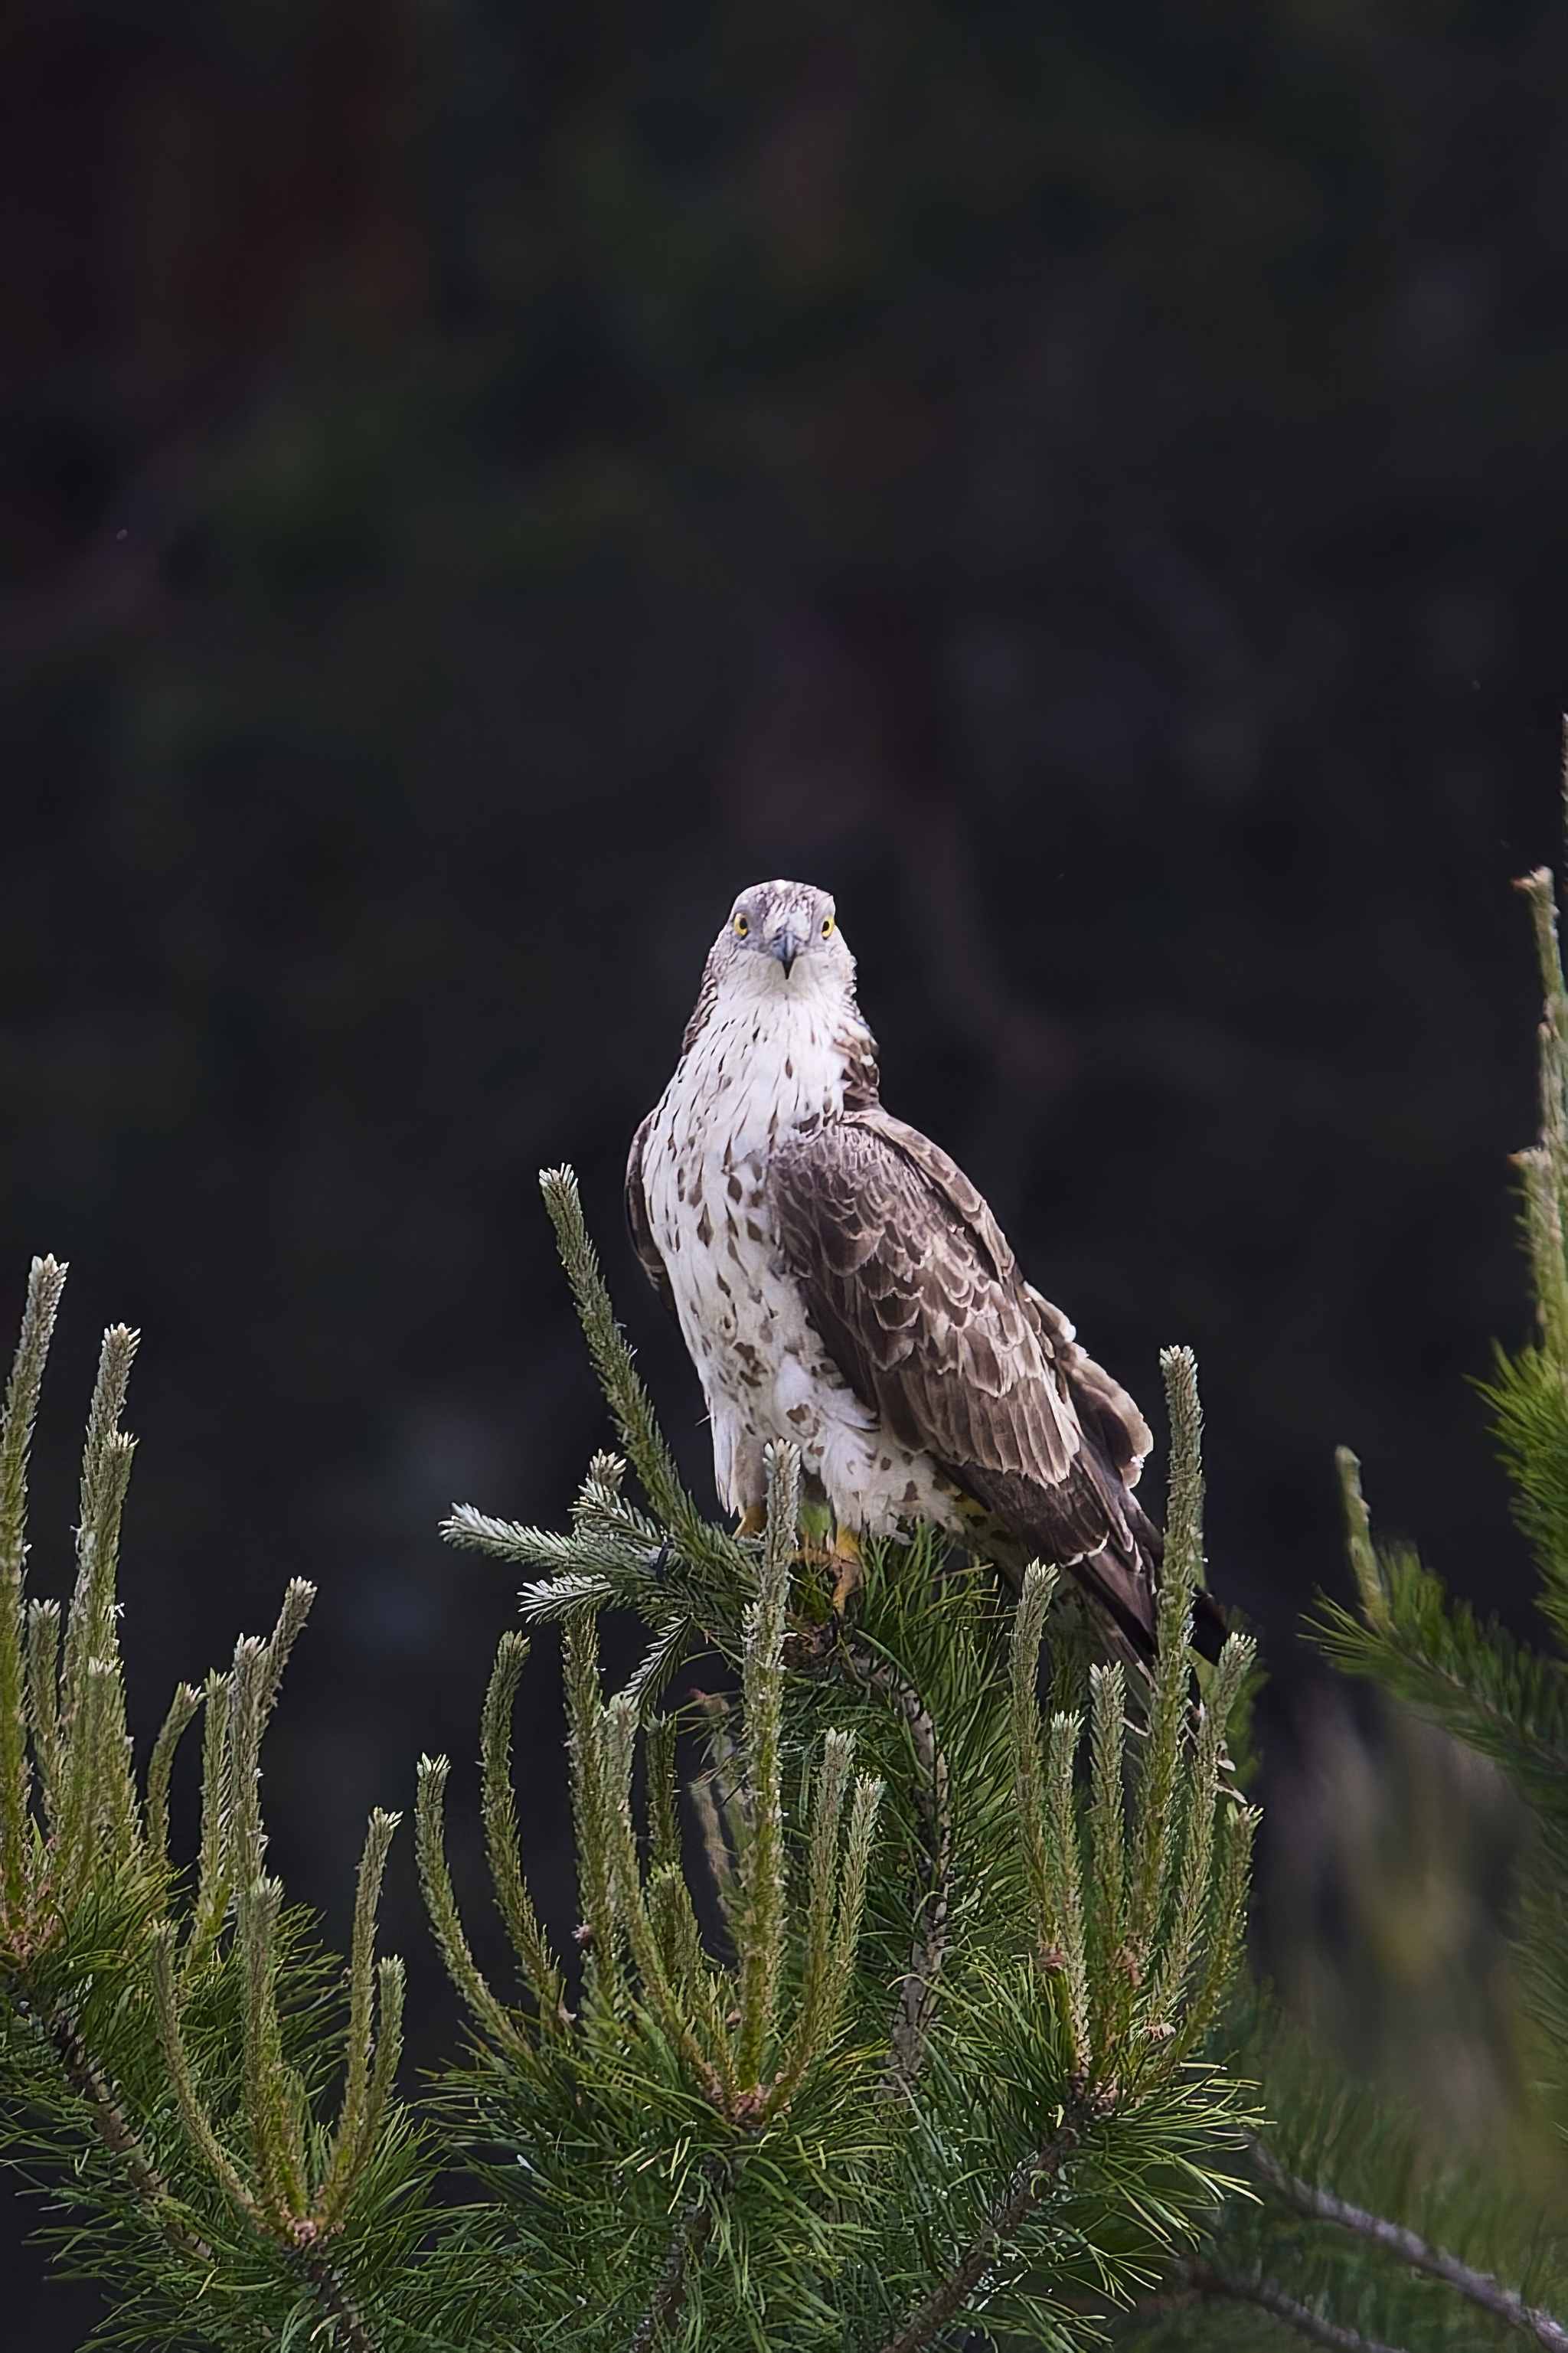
1210, 1626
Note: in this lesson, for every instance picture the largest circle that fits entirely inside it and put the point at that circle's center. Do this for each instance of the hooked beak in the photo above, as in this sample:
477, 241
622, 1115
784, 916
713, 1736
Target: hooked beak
786, 947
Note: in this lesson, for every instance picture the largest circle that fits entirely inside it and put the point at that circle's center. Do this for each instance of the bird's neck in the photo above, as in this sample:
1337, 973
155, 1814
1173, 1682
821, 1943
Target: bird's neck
773, 1065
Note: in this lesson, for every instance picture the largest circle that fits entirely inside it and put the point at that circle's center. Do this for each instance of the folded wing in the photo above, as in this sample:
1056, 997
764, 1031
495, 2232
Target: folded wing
913, 1288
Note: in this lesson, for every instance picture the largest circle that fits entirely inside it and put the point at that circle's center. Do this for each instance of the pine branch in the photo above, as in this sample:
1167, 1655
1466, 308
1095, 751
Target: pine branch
947, 2301
692, 2233
761, 1920
45, 1283
332, 2294
705, 1547
1228, 2287
540, 1970
112, 2126
917, 1991
1478, 2287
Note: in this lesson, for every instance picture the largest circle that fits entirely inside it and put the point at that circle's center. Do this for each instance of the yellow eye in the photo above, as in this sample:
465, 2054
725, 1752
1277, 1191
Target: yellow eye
742, 927
827, 927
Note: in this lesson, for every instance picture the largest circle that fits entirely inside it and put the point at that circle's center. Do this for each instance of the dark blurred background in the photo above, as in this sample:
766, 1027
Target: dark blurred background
1085, 479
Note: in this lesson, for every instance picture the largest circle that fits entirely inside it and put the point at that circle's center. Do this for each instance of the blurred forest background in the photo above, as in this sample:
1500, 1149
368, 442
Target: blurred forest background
1087, 480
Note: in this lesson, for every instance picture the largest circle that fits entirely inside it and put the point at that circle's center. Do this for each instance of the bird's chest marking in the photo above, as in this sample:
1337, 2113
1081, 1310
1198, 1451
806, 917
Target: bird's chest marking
746, 1087
739, 1091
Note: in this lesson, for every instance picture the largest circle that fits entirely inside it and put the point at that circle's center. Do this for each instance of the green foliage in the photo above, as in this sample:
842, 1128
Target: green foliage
1419, 2282
889, 2002
170, 2037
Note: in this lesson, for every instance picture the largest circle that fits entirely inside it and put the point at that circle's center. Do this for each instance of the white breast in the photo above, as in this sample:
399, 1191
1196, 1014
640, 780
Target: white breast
756, 1073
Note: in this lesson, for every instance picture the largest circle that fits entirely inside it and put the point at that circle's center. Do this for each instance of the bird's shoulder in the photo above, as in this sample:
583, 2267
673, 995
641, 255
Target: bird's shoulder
906, 1267
911, 1280
873, 1184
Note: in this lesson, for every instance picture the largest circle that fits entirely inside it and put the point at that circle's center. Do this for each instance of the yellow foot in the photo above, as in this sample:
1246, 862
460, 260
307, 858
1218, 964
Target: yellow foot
845, 1562
752, 1520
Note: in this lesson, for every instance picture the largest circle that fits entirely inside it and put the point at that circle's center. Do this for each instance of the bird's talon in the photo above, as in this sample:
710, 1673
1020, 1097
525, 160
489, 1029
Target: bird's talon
848, 1570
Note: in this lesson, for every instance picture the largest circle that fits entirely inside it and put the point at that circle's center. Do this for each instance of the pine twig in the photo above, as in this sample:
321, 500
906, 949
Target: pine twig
764, 1885
1481, 2289
441, 1907
671, 2002
692, 2233
944, 2302
593, 1819
1227, 2287
1118, 1966
498, 1809
332, 2296
275, 2138
112, 2126
184, 1708
1067, 1876
44, 1284
198, 2124
917, 1996
44, 1700
830, 1787
714, 1555
1169, 1707
357, 2123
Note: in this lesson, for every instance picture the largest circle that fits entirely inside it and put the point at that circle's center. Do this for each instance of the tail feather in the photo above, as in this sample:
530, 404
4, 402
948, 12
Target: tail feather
1117, 1567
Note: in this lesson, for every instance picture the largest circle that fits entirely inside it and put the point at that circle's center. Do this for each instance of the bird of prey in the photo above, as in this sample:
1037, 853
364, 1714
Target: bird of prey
840, 1283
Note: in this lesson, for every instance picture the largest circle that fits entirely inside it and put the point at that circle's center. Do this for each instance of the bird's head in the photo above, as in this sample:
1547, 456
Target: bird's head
782, 937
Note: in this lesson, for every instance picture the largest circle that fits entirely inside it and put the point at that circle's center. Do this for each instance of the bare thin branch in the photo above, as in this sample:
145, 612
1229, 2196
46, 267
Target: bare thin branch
1227, 2287
1479, 2287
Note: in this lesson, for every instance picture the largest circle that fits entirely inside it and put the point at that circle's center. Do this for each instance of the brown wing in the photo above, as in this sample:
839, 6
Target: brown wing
640, 1223
911, 1283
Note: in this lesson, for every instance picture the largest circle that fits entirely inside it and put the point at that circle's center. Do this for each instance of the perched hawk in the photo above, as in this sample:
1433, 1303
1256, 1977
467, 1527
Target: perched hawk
840, 1281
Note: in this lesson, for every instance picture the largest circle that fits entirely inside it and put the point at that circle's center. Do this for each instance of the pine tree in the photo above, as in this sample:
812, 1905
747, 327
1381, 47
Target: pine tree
889, 2008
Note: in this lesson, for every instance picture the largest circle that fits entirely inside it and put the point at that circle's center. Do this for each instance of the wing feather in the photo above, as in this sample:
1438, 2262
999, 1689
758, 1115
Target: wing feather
640, 1224
913, 1285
